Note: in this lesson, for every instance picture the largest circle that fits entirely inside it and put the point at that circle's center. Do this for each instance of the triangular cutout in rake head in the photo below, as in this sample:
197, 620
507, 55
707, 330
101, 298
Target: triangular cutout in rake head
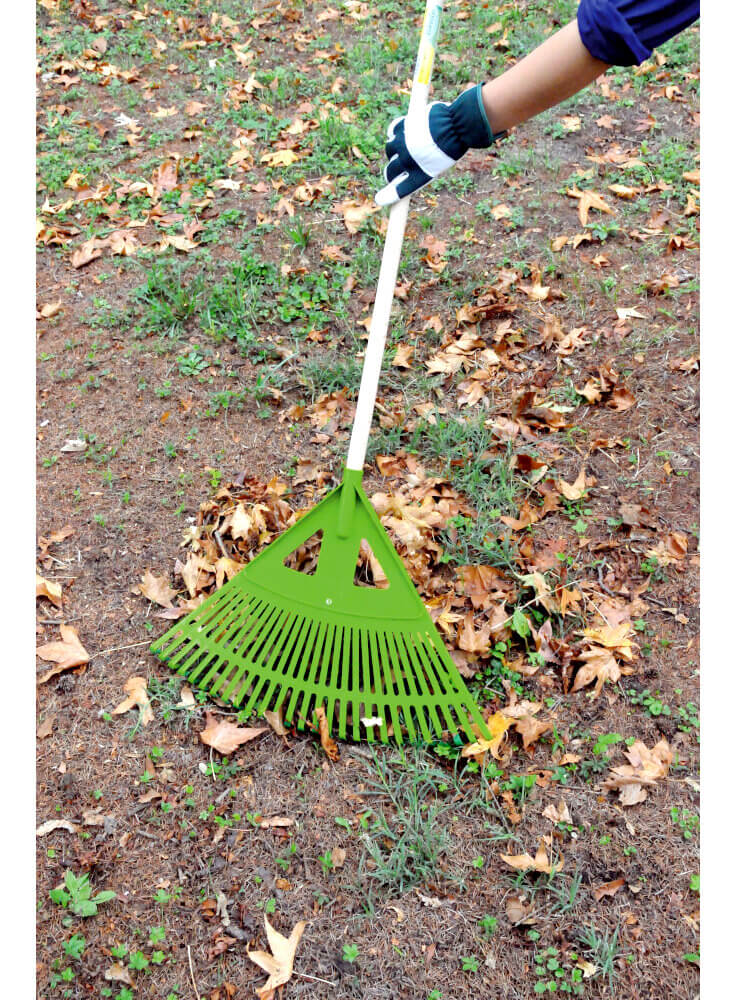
274, 636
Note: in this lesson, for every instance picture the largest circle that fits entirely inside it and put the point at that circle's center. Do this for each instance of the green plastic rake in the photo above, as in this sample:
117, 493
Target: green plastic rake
274, 637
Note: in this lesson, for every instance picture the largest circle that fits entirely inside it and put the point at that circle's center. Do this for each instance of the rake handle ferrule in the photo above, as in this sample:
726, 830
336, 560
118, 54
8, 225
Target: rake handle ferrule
351, 480
391, 255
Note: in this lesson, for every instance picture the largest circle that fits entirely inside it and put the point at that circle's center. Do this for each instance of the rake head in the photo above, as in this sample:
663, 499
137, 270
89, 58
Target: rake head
274, 636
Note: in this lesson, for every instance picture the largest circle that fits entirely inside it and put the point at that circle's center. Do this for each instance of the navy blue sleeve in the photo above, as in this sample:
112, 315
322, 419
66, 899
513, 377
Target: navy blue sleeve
624, 32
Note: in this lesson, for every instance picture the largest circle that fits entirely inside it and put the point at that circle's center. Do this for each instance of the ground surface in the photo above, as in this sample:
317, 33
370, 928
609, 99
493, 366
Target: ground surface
206, 264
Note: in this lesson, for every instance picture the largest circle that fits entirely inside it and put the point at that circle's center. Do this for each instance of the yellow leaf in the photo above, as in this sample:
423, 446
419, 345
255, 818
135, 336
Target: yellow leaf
496, 726
280, 158
538, 863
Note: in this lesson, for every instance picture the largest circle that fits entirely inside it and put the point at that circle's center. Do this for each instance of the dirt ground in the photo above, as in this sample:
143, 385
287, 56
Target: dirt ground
206, 264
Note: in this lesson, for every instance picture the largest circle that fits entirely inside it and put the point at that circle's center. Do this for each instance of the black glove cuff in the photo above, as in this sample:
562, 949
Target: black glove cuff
469, 118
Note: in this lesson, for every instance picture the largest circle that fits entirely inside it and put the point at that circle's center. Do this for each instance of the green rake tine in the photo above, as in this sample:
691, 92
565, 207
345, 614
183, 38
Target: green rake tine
435, 656
379, 687
304, 641
304, 688
323, 668
409, 694
252, 660
432, 687
354, 684
253, 625
302, 632
372, 707
268, 667
286, 657
390, 679
334, 674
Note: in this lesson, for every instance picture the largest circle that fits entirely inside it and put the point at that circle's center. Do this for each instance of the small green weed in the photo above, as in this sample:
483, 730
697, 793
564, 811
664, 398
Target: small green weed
77, 895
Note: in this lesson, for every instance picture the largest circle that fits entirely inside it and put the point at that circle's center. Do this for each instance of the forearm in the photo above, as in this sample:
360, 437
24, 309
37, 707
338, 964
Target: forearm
557, 69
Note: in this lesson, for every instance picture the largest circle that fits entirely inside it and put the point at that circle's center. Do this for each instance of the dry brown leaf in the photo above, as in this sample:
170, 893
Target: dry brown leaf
328, 744
118, 973
46, 727
530, 729
187, 698
403, 356
472, 641
645, 767
226, 737
575, 490
56, 824
615, 637
337, 856
280, 963
156, 589
599, 666
539, 863
558, 813
517, 909
276, 721
136, 690
66, 654
93, 817
608, 889
586, 201
49, 589
354, 213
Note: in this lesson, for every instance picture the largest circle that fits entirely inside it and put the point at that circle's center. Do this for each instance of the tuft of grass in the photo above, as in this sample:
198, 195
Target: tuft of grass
406, 840
603, 949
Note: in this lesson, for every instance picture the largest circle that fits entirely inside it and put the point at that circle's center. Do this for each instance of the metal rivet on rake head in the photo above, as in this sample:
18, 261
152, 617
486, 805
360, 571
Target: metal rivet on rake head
328, 600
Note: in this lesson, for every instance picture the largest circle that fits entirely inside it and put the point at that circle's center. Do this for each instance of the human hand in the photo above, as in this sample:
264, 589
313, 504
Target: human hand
422, 149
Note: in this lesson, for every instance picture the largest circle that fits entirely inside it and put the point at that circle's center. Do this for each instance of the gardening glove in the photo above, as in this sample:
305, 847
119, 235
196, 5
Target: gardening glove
424, 148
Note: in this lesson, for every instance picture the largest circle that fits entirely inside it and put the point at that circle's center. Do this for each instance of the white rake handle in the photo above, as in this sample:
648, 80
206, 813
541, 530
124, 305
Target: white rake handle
391, 255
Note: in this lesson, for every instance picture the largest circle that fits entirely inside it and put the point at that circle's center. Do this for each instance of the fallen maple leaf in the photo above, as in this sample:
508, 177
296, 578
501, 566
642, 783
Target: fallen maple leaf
225, 737
613, 637
187, 698
117, 973
328, 744
135, 688
66, 654
587, 200
530, 729
574, 491
558, 813
49, 589
354, 213
280, 963
403, 356
496, 725
599, 666
156, 589
46, 727
276, 721
608, 889
645, 767
628, 312
470, 640
539, 863
280, 158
